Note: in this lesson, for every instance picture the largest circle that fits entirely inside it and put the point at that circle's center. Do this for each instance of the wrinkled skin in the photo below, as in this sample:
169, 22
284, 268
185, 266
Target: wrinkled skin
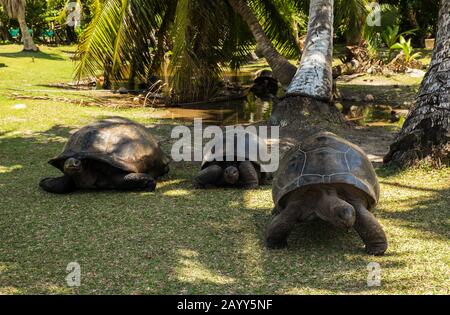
231, 175
343, 206
235, 174
90, 174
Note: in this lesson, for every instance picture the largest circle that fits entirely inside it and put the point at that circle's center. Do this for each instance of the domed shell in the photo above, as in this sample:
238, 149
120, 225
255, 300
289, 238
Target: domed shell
119, 142
325, 158
236, 144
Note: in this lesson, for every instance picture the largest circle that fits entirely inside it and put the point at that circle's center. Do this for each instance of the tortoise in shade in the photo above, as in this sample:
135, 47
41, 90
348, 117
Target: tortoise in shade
265, 85
236, 168
114, 153
329, 178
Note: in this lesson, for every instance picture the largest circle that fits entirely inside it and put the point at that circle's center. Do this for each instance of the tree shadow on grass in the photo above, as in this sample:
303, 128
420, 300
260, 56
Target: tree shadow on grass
28, 54
428, 214
174, 240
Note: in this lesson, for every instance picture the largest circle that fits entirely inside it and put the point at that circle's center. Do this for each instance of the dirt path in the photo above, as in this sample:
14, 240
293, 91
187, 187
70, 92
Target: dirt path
373, 139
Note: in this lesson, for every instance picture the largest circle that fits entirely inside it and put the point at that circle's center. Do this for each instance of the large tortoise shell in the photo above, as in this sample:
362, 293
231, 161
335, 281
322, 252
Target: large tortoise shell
237, 144
325, 158
118, 142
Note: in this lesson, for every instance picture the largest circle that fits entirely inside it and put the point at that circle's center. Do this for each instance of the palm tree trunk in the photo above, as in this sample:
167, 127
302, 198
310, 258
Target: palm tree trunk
426, 132
307, 107
28, 43
282, 69
3, 32
16, 10
314, 76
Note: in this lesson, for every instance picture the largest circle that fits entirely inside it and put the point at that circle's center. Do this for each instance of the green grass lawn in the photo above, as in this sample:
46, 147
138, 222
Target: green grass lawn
177, 240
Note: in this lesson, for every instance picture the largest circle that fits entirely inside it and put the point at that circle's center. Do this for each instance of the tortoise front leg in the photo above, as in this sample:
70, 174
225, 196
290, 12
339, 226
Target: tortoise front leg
58, 185
282, 225
134, 181
210, 175
370, 231
248, 175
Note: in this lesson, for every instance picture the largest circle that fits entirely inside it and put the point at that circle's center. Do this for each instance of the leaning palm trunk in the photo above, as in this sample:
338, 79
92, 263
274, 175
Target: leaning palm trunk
282, 69
307, 106
28, 43
314, 76
426, 132
16, 10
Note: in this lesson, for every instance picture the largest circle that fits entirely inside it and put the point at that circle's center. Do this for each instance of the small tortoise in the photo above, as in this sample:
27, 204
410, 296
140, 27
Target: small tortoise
114, 153
238, 169
329, 178
265, 85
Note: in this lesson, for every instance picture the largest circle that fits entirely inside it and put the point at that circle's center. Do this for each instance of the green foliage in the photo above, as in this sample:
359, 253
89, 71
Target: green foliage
407, 49
391, 35
419, 14
389, 19
276, 17
116, 36
203, 37
201, 48
350, 17
414, 14
194, 68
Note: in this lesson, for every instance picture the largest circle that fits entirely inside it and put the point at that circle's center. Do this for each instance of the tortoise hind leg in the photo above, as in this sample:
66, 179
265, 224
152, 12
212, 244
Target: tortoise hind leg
370, 231
134, 181
58, 185
248, 175
282, 225
211, 175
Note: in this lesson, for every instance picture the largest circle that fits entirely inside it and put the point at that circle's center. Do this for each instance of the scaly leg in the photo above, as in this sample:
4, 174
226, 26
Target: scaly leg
211, 175
134, 181
248, 175
370, 231
282, 225
58, 185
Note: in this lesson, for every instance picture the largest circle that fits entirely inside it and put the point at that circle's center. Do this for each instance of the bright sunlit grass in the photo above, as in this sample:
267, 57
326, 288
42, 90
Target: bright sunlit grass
178, 240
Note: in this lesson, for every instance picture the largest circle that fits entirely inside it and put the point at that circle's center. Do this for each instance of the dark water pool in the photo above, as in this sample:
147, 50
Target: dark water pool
254, 109
247, 110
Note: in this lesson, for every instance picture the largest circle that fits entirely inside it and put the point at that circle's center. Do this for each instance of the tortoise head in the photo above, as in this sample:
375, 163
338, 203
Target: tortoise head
331, 208
231, 175
73, 166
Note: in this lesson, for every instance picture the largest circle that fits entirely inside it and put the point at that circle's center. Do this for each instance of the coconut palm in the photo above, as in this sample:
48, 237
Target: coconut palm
349, 13
314, 75
282, 69
425, 134
307, 106
16, 10
202, 37
134, 37
206, 36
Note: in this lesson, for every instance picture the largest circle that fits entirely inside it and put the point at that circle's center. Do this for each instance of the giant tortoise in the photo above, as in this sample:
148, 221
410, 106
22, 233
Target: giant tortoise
114, 153
329, 178
265, 85
231, 161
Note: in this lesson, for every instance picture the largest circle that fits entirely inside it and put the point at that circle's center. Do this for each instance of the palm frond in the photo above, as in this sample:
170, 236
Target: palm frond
118, 33
350, 16
277, 26
205, 38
